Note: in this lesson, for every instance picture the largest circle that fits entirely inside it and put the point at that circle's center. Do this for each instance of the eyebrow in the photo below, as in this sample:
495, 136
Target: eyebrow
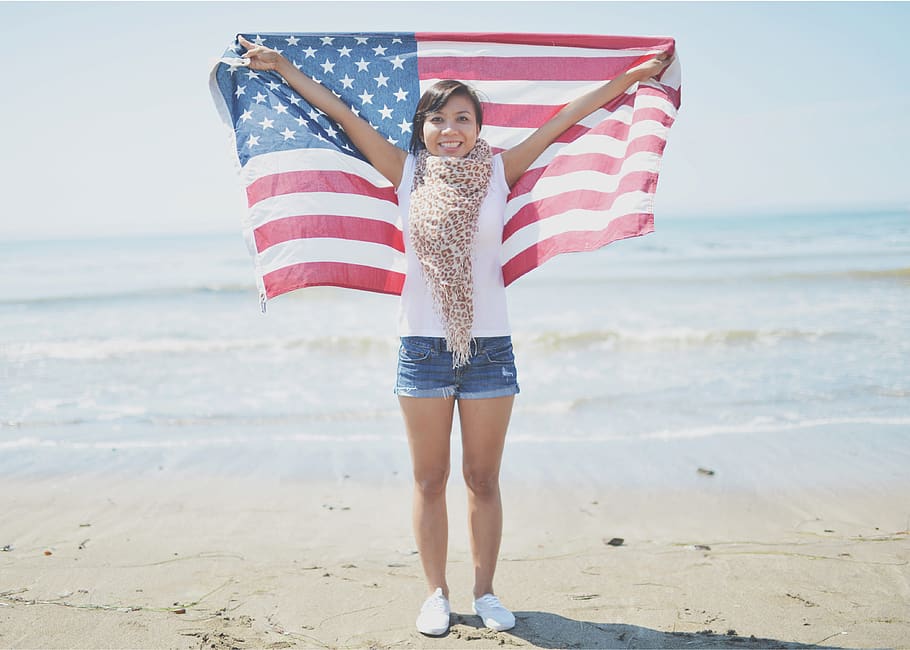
458, 113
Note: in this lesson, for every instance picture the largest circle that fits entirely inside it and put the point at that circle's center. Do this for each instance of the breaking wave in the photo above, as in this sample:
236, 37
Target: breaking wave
681, 338
347, 345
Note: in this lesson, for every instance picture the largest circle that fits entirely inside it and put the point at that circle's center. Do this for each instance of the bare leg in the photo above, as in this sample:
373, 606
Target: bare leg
483, 431
428, 421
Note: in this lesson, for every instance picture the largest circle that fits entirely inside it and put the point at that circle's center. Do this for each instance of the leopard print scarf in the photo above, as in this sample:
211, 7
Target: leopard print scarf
445, 204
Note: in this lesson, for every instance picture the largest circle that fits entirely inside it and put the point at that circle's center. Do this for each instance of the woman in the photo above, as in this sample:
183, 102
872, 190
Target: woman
455, 344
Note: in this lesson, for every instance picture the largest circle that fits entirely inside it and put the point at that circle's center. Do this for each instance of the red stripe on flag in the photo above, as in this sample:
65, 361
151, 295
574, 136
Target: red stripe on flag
569, 135
572, 134
305, 226
630, 225
517, 115
661, 43
643, 181
335, 274
597, 162
506, 68
656, 114
315, 181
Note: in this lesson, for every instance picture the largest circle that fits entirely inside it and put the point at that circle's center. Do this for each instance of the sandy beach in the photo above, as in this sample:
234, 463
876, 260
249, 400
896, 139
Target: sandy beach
174, 561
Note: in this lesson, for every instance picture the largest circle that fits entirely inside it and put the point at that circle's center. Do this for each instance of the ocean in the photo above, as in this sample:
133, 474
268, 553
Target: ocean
714, 343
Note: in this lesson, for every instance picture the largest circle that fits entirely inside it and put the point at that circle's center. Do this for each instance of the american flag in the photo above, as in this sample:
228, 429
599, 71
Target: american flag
320, 215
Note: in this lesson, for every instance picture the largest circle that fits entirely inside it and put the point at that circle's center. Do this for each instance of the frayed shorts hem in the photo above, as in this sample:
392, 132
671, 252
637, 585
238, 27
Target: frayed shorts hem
449, 391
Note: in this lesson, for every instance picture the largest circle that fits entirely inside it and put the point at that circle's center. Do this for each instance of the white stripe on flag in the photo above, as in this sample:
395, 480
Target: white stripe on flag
346, 251
323, 203
309, 159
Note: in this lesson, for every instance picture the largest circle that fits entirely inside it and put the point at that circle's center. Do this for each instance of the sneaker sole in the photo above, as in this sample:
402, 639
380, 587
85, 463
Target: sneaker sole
498, 628
495, 628
434, 631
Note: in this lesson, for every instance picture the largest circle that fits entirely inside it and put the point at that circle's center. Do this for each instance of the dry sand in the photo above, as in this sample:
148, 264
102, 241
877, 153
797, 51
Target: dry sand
178, 562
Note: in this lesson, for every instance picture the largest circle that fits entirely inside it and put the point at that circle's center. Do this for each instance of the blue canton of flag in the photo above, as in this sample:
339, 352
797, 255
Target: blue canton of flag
373, 73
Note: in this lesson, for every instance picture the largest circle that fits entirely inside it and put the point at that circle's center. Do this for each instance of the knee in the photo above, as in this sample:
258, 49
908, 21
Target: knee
431, 483
483, 484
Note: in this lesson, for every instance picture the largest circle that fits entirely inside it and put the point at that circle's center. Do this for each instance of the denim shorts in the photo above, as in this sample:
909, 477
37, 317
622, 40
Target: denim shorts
425, 369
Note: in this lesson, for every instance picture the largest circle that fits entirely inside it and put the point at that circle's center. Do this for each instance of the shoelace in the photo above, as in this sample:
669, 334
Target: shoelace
489, 600
436, 603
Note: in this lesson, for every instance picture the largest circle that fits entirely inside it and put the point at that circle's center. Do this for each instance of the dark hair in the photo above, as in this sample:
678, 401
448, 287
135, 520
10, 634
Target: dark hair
433, 100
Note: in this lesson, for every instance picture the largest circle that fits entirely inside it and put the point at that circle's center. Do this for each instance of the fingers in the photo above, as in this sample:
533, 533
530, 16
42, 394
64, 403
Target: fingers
254, 54
260, 57
662, 61
665, 57
251, 48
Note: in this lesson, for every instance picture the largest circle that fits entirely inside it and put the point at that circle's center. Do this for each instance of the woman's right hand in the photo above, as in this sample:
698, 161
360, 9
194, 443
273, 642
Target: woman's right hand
651, 67
259, 56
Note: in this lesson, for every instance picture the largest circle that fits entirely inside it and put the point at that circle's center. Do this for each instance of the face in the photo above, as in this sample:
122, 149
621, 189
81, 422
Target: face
452, 130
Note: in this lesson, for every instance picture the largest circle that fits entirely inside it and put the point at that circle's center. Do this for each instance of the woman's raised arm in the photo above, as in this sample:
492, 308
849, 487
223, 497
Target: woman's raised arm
384, 156
517, 159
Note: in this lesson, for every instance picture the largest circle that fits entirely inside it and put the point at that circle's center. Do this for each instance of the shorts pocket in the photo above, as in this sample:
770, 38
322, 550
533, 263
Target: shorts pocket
500, 354
413, 350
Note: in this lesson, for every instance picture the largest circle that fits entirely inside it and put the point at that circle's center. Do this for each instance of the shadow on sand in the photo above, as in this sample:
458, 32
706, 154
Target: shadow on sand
545, 630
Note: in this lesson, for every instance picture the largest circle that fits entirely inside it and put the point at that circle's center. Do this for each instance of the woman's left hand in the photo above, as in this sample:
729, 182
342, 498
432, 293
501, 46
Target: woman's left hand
260, 57
651, 67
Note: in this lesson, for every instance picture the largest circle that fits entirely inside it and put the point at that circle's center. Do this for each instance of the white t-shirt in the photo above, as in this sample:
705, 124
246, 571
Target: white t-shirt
417, 315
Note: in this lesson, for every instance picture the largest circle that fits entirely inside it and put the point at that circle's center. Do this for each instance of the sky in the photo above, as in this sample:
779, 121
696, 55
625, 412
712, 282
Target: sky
109, 128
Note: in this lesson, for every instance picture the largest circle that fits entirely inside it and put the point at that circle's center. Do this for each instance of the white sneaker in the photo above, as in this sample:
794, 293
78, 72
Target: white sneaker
493, 614
434, 615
